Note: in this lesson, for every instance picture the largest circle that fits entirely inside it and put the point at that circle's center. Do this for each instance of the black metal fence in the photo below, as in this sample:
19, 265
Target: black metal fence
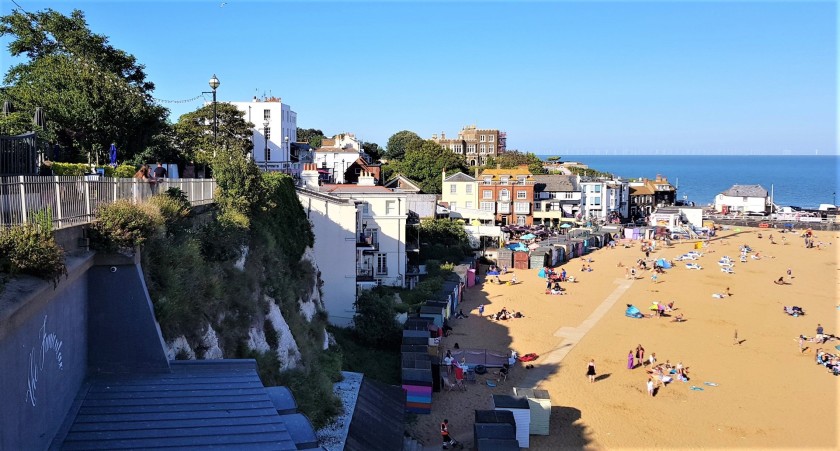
22, 154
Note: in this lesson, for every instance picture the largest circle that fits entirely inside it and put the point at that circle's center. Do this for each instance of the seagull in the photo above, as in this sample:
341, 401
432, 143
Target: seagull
223, 5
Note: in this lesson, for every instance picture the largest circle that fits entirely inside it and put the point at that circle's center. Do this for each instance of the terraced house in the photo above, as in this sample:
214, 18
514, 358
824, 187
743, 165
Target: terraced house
508, 194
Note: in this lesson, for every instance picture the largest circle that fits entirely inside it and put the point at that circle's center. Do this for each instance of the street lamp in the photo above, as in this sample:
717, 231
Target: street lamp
265, 135
214, 83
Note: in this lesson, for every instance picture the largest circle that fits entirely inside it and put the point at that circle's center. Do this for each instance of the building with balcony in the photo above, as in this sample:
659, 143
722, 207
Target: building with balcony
557, 198
605, 200
360, 238
276, 136
647, 195
508, 194
460, 196
476, 145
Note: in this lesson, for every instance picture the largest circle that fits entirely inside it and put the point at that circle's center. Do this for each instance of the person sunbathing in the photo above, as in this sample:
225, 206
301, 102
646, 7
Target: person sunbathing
780, 281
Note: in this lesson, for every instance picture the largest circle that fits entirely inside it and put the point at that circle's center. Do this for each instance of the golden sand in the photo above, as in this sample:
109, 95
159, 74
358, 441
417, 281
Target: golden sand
768, 394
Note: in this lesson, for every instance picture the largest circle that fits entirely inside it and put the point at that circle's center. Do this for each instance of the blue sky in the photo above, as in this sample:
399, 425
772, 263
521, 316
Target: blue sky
558, 77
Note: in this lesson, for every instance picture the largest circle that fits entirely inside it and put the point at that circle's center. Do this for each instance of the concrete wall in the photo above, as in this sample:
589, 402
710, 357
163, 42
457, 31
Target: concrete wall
43, 350
334, 225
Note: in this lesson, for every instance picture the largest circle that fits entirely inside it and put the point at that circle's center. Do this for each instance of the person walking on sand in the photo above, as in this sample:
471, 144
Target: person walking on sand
590, 370
640, 354
650, 386
630, 362
481, 310
736, 342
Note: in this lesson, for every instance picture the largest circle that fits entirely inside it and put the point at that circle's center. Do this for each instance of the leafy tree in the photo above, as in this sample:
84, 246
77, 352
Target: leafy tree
443, 239
553, 158
310, 135
92, 94
399, 143
373, 150
193, 134
514, 158
375, 321
424, 161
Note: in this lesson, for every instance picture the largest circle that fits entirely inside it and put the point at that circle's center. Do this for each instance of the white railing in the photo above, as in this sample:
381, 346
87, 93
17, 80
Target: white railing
74, 200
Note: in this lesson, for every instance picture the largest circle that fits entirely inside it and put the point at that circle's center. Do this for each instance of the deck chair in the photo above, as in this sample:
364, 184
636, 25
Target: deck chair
503, 372
447, 384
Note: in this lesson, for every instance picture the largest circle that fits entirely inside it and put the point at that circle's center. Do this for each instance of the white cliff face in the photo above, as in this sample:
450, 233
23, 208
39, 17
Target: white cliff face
287, 350
308, 307
256, 340
211, 343
243, 256
178, 345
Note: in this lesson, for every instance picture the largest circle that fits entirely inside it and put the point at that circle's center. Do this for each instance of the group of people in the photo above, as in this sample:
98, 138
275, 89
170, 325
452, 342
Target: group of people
149, 175
505, 314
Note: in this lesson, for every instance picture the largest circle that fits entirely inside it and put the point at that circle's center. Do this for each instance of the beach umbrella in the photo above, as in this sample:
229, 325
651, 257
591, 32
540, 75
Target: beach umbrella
565, 225
40, 119
528, 236
112, 152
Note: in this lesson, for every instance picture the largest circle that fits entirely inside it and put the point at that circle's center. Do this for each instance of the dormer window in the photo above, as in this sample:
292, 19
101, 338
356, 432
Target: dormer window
521, 179
505, 179
488, 180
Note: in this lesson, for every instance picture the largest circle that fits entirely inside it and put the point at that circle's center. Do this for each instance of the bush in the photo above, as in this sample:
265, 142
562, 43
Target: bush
375, 319
173, 210
124, 226
77, 169
125, 171
221, 239
28, 249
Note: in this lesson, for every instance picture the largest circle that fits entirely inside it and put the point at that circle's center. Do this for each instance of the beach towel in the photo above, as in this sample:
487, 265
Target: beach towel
490, 383
711, 384
696, 388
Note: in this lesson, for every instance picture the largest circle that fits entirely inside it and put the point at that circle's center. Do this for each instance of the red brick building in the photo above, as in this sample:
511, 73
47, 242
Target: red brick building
507, 193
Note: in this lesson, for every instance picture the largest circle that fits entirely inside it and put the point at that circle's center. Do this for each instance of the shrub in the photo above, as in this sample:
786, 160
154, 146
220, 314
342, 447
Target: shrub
28, 249
375, 319
221, 239
77, 169
173, 210
43, 220
125, 171
124, 226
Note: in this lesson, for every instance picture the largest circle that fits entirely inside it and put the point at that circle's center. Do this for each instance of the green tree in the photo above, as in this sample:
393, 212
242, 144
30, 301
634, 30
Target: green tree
310, 135
373, 150
553, 158
514, 158
193, 133
424, 161
399, 143
443, 239
92, 94
375, 321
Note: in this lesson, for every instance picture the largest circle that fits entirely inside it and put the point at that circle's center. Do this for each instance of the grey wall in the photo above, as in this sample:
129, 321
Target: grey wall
122, 331
43, 356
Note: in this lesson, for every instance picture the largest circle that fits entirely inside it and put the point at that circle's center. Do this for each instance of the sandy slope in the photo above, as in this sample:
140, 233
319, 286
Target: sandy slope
768, 394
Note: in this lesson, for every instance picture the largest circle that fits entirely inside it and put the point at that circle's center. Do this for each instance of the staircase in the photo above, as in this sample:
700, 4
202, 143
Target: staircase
410, 444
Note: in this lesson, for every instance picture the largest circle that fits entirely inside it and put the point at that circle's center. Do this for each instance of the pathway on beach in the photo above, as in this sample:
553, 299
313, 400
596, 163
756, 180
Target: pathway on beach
572, 336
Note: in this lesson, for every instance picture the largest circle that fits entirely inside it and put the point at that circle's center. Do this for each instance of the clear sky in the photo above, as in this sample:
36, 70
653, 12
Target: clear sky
559, 77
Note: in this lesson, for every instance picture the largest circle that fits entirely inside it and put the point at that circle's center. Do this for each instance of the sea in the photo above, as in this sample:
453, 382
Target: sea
802, 180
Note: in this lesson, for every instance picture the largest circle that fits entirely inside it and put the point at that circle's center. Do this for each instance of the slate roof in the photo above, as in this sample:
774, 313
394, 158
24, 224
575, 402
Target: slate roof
403, 183
378, 422
745, 191
459, 177
198, 405
552, 183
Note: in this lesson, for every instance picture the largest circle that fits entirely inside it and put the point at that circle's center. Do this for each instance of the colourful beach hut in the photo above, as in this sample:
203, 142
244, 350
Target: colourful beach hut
521, 411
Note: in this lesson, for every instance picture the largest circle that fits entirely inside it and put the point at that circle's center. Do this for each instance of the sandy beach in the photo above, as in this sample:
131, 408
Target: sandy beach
764, 392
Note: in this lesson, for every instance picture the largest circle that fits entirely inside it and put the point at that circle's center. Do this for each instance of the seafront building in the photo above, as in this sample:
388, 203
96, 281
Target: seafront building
360, 239
606, 200
507, 194
557, 198
275, 128
647, 195
475, 144
743, 199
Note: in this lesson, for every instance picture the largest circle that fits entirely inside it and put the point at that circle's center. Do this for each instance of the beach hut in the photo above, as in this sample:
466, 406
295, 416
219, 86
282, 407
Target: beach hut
445, 304
540, 257
498, 438
521, 414
435, 313
520, 260
540, 403
505, 257
417, 382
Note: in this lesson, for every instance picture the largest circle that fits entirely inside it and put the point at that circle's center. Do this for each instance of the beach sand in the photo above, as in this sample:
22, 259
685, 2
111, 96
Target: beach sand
768, 394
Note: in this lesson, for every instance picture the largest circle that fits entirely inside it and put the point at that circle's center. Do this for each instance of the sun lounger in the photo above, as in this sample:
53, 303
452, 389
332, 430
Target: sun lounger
693, 266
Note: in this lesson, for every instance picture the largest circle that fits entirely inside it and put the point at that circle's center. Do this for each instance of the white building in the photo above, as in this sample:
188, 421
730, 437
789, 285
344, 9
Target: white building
604, 199
557, 198
338, 153
275, 127
359, 238
743, 199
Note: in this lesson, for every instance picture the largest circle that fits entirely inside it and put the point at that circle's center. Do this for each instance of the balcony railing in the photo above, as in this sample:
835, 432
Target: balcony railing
74, 200
367, 240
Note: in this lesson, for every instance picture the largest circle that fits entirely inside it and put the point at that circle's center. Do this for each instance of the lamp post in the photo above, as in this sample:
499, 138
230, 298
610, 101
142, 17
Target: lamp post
214, 83
265, 135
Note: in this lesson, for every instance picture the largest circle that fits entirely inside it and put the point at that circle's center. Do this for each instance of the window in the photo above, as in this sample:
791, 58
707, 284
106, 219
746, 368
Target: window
453, 189
596, 200
266, 115
453, 205
521, 179
597, 188
487, 194
267, 131
521, 194
505, 180
469, 204
469, 189
483, 148
521, 207
504, 207
391, 207
520, 220
382, 264
488, 206
504, 195
374, 236
537, 206
490, 148
488, 180
483, 138
470, 148
366, 209
491, 138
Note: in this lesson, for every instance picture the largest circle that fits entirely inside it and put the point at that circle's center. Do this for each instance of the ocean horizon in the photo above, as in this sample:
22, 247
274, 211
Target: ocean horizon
799, 180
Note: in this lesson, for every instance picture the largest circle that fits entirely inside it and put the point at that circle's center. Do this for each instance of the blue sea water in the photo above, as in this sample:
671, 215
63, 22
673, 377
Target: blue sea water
803, 180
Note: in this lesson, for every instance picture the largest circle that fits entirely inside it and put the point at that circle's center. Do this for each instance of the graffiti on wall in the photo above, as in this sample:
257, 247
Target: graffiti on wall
48, 342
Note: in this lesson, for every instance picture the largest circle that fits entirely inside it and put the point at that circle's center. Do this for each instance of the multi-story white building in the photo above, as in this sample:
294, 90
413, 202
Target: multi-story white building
605, 200
360, 238
556, 198
275, 128
336, 154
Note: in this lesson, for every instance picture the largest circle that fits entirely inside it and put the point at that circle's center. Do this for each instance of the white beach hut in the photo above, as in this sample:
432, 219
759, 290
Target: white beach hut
540, 404
521, 414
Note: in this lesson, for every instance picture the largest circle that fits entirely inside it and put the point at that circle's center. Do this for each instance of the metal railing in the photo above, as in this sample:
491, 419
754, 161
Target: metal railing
73, 200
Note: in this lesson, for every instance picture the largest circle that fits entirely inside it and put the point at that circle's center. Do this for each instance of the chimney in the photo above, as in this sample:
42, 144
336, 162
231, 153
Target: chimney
255, 98
476, 172
366, 179
442, 135
309, 175
443, 176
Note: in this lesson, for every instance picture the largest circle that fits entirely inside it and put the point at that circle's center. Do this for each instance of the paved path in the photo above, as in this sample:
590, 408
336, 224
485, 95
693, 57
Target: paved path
549, 363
